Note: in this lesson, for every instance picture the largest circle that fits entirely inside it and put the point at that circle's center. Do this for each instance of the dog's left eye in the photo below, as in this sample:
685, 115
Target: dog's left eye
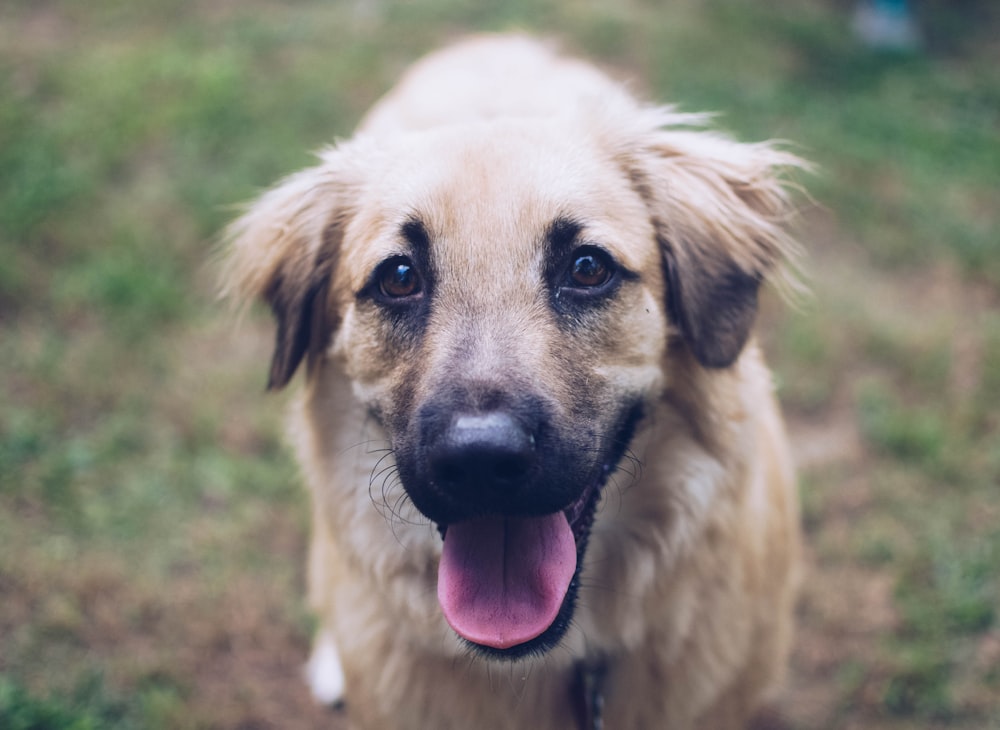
591, 268
398, 278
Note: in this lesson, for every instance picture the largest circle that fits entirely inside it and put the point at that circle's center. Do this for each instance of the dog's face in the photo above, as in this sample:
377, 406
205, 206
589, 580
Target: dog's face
503, 299
501, 331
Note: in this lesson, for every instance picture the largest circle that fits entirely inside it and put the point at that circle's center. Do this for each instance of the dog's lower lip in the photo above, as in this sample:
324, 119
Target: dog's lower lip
578, 510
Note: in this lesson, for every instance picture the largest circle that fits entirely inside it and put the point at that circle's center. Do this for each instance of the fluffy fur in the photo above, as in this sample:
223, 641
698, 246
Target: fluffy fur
686, 587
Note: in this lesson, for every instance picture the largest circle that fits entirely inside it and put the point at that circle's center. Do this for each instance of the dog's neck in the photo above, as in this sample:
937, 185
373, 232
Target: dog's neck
588, 693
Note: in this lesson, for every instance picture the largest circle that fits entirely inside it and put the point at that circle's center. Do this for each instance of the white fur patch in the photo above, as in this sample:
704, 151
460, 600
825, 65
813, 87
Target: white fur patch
324, 671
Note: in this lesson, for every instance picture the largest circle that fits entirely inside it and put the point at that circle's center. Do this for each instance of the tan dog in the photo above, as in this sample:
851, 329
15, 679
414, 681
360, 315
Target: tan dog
547, 468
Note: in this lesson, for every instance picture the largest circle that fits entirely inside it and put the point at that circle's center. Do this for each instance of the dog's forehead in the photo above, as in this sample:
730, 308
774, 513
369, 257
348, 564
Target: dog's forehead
497, 189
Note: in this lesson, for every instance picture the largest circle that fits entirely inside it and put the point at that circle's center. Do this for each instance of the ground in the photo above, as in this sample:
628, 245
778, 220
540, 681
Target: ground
152, 523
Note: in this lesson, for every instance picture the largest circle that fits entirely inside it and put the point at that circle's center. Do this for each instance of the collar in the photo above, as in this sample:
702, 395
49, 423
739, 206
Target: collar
588, 693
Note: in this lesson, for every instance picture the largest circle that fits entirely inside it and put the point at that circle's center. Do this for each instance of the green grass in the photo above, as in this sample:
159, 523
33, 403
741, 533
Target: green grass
21, 711
153, 529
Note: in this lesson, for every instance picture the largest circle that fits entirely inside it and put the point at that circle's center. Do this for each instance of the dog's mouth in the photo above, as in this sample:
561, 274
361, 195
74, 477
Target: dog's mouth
507, 584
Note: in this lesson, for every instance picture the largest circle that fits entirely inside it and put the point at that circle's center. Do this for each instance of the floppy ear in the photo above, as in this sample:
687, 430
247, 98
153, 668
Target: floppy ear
718, 207
284, 250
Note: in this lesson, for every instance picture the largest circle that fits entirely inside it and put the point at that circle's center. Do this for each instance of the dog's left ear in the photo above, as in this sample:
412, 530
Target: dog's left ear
284, 250
719, 209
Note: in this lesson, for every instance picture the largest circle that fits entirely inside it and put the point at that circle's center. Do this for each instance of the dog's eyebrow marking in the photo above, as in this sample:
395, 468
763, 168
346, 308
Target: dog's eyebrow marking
562, 237
415, 233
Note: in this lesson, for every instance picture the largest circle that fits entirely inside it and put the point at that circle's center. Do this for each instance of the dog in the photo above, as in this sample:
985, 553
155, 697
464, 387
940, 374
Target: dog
550, 483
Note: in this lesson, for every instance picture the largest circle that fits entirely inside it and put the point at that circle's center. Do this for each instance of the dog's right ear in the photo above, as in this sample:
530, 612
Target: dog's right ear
284, 250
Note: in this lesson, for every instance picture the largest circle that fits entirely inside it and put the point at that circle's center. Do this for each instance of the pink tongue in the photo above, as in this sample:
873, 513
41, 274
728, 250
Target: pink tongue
502, 580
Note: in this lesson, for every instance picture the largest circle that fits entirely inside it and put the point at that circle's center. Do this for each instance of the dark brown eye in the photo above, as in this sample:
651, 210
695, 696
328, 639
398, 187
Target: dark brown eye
591, 268
398, 278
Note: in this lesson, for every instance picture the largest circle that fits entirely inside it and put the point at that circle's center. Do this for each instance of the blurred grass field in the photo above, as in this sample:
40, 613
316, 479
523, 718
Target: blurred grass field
152, 530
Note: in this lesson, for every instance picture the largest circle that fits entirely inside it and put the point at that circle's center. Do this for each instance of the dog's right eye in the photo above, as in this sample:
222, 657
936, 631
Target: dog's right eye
398, 278
590, 269
590, 272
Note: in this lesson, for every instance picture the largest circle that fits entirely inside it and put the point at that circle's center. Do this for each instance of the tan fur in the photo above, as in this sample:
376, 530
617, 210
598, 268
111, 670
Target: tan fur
690, 575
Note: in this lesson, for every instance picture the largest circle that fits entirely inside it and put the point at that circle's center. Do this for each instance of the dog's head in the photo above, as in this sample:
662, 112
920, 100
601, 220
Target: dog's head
503, 299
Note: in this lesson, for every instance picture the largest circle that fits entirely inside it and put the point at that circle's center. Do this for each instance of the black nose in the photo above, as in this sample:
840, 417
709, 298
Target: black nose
490, 451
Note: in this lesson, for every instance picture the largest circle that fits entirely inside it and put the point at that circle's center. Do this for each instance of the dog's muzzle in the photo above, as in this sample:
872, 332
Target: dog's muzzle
514, 497
503, 575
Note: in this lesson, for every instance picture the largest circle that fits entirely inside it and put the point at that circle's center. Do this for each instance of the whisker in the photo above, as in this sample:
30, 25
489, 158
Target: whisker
359, 444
